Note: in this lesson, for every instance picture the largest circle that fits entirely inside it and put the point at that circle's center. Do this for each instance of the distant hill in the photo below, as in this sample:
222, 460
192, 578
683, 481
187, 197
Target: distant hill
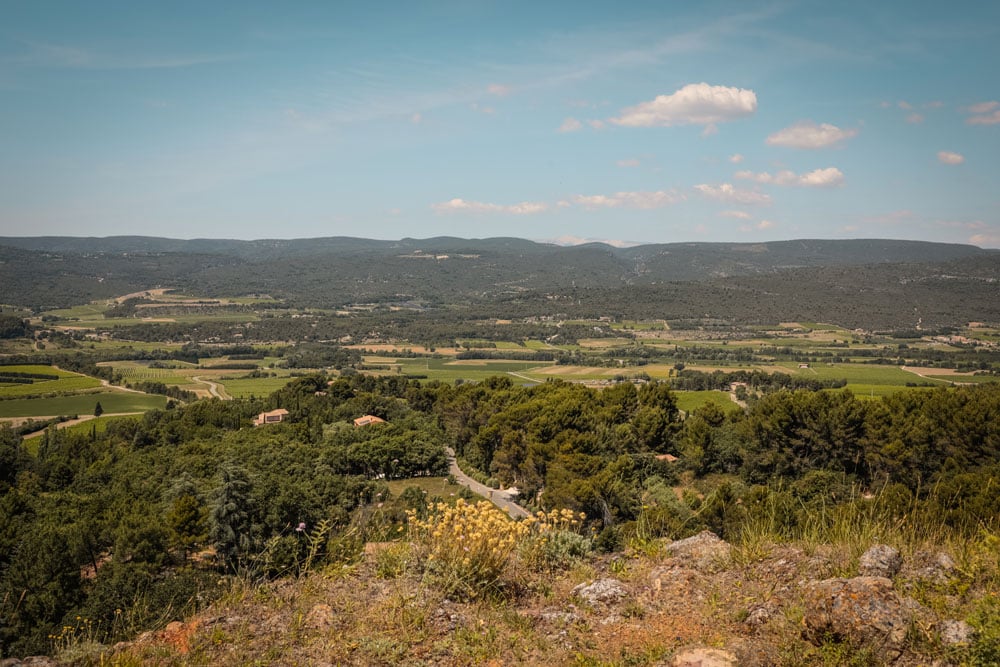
885, 279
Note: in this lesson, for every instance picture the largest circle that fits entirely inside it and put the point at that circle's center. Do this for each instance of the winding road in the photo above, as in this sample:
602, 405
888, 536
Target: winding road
501, 498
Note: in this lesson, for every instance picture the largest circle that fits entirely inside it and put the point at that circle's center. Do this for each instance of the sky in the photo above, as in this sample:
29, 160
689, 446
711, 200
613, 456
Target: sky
630, 122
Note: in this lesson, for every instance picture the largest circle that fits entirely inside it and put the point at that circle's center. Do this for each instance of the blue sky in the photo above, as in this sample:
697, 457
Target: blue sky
636, 122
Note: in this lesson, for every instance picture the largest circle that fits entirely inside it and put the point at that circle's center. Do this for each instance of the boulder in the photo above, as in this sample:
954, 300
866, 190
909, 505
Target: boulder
880, 561
702, 551
864, 610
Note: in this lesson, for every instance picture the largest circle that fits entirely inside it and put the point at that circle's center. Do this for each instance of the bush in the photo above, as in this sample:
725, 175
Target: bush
466, 548
554, 542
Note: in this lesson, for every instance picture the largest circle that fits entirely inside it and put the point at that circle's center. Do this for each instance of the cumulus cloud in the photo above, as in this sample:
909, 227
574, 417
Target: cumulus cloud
809, 135
914, 118
736, 158
984, 113
570, 125
948, 157
638, 200
818, 178
463, 206
694, 104
726, 192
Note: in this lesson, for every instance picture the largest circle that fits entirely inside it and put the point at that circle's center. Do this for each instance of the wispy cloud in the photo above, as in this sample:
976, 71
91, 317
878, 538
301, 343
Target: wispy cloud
570, 240
739, 215
984, 113
818, 178
463, 206
64, 56
726, 192
570, 125
630, 162
637, 200
808, 135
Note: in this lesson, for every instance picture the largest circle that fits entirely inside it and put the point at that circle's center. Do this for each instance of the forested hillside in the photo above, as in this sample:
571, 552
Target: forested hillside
859, 283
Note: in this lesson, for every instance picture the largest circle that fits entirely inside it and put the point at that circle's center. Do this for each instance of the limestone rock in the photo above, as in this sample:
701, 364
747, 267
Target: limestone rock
934, 566
863, 609
604, 591
956, 632
880, 561
703, 550
704, 657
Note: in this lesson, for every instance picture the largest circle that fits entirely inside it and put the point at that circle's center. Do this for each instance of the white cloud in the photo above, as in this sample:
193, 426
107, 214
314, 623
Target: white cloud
947, 157
807, 134
694, 104
736, 158
639, 200
596, 124
570, 125
498, 89
741, 215
631, 162
463, 206
984, 113
818, 178
570, 240
904, 105
765, 224
915, 118
726, 192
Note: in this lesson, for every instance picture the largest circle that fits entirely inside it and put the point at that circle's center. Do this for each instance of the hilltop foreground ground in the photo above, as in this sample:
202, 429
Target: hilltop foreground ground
697, 601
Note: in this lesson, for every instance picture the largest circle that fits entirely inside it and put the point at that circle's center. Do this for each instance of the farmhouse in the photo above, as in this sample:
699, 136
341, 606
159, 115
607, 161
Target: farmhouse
272, 417
368, 419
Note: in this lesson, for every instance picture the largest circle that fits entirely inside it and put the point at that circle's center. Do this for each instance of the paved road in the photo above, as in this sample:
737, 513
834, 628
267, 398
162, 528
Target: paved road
502, 499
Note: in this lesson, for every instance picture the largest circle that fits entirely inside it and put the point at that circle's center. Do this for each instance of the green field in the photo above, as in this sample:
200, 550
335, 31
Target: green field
692, 400
449, 370
81, 404
434, 486
67, 382
243, 387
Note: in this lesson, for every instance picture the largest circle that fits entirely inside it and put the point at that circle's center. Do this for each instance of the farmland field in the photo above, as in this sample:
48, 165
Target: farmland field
81, 404
244, 387
449, 370
67, 382
692, 400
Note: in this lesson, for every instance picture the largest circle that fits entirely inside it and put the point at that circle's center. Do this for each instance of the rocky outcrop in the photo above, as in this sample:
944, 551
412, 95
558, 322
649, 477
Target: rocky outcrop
864, 610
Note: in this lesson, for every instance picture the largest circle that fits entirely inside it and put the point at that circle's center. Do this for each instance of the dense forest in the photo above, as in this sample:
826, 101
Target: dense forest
115, 523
